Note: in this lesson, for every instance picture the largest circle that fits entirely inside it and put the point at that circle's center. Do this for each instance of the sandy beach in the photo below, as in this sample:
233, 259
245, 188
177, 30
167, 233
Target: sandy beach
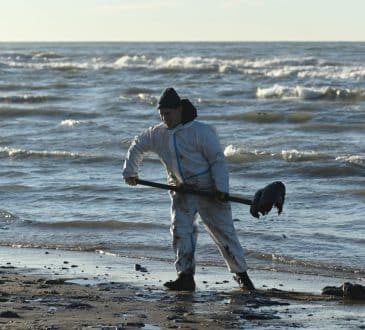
53, 289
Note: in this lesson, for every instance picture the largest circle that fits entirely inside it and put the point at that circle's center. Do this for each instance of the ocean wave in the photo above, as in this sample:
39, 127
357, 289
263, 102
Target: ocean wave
7, 217
334, 238
13, 187
28, 98
343, 73
269, 67
134, 60
315, 163
259, 116
358, 160
309, 93
333, 128
308, 266
57, 65
86, 224
211, 64
285, 61
24, 153
356, 192
46, 55
295, 117
330, 170
13, 152
91, 188
239, 155
300, 156
177, 63
301, 67
159, 63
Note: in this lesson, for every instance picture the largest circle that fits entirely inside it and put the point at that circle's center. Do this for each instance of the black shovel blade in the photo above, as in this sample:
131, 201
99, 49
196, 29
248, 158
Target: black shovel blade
273, 195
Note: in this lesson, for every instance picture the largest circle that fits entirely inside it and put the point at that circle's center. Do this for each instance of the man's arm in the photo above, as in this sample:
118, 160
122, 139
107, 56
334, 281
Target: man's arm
134, 156
213, 152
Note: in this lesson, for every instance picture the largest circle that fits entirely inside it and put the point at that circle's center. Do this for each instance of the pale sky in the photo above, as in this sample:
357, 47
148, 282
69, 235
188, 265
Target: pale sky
185, 20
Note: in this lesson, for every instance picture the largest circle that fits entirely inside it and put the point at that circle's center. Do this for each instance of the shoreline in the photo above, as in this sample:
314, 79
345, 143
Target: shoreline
57, 289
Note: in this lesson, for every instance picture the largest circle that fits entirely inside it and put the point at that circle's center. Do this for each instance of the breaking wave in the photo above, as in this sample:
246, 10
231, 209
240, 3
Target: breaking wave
241, 155
358, 160
307, 266
307, 67
300, 156
310, 93
238, 155
55, 65
24, 153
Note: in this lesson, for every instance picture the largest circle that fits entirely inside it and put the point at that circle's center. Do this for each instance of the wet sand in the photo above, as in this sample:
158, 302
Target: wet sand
82, 291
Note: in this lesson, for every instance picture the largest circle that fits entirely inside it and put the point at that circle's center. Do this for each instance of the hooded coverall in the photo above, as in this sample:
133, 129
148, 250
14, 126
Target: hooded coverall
192, 154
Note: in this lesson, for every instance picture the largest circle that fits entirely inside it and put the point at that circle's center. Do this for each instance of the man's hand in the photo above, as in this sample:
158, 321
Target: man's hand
220, 196
131, 180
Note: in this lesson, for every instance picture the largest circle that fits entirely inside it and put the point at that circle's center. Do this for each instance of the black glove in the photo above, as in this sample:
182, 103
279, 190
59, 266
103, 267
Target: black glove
267, 197
221, 196
131, 180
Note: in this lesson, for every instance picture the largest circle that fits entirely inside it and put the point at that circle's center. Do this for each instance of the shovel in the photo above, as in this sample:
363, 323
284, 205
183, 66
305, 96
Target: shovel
271, 195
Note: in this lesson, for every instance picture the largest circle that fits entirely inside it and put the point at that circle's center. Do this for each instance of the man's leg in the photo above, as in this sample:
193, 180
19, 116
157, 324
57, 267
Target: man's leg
218, 219
184, 236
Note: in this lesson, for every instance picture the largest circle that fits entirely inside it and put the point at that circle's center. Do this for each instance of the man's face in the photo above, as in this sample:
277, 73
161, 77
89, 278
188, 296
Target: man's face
171, 116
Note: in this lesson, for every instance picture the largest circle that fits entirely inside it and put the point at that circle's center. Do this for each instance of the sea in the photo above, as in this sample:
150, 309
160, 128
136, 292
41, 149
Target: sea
288, 111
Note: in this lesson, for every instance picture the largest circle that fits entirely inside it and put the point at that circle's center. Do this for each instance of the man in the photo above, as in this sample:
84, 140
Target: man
192, 155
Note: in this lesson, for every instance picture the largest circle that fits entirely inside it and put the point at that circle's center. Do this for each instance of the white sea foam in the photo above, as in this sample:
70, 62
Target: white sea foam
70, 122
353, 159
61, 154
294, 155
347, 72
12, 152
310, 93
128, 61
302, 67
238, 155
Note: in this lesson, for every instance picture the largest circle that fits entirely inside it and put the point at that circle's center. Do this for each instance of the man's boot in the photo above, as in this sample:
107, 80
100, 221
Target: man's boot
184, 282
244, 281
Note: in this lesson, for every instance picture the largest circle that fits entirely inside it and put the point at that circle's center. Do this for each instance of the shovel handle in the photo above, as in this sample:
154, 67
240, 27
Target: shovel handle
188, 190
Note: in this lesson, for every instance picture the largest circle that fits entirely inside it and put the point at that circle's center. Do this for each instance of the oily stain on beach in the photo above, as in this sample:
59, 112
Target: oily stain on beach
37, 303
60, 305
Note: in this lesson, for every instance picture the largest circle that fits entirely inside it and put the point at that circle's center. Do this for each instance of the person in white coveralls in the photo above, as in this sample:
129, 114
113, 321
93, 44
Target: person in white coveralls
192, 155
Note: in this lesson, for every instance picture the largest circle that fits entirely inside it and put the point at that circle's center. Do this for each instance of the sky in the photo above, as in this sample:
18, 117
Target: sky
185, 20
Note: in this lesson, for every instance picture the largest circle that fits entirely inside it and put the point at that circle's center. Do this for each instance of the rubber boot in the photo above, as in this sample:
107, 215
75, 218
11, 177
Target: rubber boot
184, 282
244, 281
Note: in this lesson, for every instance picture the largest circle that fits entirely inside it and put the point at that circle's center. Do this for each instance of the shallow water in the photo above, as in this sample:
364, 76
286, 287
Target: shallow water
284, 111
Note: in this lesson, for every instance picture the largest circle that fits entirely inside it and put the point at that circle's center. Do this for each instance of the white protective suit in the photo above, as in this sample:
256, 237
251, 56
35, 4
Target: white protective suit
192, 155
